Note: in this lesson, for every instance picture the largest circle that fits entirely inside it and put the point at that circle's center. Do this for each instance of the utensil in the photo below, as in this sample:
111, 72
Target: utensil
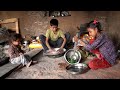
55, 52
72, 56
77, 68
26, 42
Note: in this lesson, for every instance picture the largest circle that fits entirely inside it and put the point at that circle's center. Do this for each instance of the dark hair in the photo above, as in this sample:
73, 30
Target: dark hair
15, 37
94, 24
83, 30
54, 22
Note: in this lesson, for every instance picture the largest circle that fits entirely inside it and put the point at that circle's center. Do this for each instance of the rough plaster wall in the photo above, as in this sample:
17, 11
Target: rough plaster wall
114, 22
37, 24
101, 16
69, 24
14, 14
110, 21
114, 27
34, 22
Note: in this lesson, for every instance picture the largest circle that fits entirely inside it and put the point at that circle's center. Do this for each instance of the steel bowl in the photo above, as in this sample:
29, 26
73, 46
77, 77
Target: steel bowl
55, 54
26, 42
79, 68
72, 56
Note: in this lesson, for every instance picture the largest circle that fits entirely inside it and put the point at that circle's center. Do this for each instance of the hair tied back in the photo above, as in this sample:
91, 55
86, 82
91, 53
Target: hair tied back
95, 21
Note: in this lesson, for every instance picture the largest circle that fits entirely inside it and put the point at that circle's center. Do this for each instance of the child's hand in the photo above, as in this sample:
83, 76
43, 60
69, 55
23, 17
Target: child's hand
51, 50
20, 53
77, 48
60, 50
98, 56
75, 39
81, 43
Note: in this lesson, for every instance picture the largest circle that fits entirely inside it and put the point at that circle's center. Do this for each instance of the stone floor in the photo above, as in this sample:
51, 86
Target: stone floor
49, 68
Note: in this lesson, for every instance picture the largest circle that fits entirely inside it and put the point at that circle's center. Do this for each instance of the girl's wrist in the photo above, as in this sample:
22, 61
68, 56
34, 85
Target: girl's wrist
84, 44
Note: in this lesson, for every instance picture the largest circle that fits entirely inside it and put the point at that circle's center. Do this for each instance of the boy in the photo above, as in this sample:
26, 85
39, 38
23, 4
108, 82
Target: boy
54, 37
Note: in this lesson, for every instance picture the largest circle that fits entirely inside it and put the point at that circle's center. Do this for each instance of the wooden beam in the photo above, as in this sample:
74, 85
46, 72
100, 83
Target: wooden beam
17, 29
12, 20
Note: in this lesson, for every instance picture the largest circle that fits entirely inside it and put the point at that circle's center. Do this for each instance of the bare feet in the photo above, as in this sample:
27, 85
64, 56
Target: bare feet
34, 62
28, 65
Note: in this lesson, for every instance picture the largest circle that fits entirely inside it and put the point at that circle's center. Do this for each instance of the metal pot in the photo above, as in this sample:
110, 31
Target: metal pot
72, 56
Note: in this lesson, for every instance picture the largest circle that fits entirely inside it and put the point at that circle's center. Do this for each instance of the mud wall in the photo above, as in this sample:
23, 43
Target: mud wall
34, 22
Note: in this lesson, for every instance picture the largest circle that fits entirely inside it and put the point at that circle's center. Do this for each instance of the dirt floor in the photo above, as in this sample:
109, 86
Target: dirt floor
54, 68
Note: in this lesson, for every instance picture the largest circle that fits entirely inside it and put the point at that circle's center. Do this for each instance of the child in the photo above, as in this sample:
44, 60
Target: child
100, 45
54, 37
16, 54
81, 35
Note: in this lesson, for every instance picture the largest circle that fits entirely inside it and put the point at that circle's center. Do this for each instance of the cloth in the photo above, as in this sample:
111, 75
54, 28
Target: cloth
98, 63
50, 34
22, 59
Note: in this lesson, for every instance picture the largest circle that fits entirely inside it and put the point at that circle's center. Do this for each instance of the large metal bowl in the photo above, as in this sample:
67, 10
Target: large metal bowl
72, 56
55, 54
77, 68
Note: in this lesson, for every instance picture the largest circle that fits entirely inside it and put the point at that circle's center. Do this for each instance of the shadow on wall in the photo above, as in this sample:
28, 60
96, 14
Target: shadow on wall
115, 39
72, 31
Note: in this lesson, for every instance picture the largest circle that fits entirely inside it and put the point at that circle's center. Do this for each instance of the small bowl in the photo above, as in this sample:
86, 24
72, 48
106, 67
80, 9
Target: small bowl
79, 68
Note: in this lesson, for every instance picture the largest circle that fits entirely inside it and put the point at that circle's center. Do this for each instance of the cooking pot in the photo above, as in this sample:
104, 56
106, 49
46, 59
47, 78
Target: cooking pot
72, 56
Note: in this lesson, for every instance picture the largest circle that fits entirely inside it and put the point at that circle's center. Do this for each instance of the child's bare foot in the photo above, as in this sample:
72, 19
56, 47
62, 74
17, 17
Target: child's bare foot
28, 65
34, 62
